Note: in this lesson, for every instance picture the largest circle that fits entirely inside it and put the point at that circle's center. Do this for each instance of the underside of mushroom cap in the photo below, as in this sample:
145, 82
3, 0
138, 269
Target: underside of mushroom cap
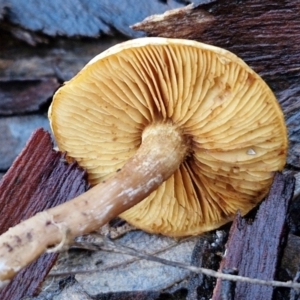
232, 118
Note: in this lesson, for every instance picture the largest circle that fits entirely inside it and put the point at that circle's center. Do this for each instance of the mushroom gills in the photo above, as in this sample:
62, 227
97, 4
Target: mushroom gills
231, 126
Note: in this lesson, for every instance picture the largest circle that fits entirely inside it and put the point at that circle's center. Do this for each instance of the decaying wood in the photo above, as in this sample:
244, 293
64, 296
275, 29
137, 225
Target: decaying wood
39, 179
19, 97
265, 34
254, 249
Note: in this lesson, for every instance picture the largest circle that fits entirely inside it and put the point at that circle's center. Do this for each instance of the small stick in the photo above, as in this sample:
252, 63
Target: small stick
111, 246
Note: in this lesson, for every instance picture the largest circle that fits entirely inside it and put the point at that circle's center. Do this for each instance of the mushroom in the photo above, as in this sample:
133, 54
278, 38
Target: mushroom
176, 136
198, 131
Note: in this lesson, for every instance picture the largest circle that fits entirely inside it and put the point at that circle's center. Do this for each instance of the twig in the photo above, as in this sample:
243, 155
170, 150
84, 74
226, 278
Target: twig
112, 246
92, 242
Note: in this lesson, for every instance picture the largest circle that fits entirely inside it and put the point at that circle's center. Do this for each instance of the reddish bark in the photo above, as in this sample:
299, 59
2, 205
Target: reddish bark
39, 179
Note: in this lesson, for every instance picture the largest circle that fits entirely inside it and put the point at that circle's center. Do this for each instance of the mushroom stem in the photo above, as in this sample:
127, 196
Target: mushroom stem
162, 150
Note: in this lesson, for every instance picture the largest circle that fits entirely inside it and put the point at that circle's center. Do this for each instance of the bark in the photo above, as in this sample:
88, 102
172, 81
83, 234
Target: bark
38, 179
254, 249
19, 97
265, 34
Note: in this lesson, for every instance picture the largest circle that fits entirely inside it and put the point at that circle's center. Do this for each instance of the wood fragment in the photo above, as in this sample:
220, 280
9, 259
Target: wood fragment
254, 249
265, 34
166, 25
39, 179
19, 97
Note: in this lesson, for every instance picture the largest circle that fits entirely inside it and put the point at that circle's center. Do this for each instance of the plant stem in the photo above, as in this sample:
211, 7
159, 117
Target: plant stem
162, 150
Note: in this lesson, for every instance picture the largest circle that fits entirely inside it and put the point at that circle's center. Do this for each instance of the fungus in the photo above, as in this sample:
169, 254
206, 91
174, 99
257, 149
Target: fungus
214, 121
176, 136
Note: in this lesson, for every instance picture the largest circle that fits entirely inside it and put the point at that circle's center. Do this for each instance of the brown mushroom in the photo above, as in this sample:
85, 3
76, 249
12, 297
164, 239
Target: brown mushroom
214, 121
189, 127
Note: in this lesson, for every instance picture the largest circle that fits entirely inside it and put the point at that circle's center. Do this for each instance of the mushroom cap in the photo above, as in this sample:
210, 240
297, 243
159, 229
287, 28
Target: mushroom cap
235, 123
